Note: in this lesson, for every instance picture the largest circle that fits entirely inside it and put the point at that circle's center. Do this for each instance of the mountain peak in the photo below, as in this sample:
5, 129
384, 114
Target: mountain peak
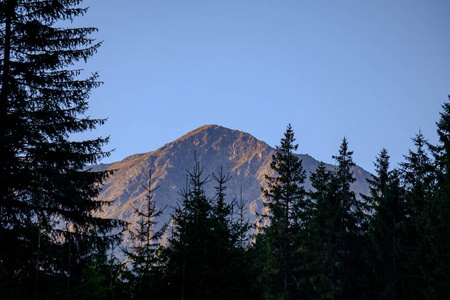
215, 137
246, 158
207, 129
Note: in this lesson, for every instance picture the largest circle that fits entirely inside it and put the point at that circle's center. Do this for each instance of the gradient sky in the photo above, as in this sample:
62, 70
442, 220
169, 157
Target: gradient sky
375, 72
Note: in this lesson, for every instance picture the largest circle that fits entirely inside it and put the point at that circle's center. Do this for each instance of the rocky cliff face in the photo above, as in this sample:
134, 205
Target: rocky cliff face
238, 153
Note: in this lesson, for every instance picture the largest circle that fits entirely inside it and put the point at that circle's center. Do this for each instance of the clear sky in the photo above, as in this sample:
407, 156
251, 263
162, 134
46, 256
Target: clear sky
375, 72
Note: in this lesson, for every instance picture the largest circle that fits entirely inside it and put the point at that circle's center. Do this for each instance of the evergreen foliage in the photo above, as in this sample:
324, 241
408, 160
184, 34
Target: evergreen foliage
417, 179
189, 252
203, 258
439, 212
47, 211
285, 201
327, 243
336, 232
319, 243
142, 256
385, 233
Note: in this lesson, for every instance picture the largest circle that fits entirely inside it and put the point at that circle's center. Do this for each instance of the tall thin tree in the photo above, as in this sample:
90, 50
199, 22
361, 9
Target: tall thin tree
386, 201
439, 210
285, 200
145, 237
417, 174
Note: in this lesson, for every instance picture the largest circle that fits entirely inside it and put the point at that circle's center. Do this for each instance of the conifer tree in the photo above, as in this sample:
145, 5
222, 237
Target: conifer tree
319, 243
349, 229
232, 269
203, 258
145, 238
221, 210
438, 273
285, 200
46, 204
242, 224
190, 256
418, 182
385, 251
336, 231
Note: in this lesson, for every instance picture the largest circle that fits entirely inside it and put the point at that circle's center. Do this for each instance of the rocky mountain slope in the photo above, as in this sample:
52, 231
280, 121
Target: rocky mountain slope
238, 153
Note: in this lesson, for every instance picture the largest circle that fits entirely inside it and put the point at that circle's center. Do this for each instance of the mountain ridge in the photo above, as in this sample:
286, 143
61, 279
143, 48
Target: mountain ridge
246, 158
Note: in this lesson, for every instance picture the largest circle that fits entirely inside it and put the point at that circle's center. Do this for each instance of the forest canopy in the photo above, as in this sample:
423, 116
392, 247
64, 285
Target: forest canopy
326, 242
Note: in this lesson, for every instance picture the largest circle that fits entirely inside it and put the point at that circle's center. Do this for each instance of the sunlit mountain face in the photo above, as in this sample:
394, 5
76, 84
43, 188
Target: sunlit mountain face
244, 157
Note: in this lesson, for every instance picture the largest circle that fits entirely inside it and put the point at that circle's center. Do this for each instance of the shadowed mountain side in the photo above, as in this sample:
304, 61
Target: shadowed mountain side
238, 153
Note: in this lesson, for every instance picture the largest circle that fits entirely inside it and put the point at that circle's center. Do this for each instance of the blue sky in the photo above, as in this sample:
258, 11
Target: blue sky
375, 72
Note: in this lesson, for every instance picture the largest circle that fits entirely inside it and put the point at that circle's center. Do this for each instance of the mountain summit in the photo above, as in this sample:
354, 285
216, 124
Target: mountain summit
246, 158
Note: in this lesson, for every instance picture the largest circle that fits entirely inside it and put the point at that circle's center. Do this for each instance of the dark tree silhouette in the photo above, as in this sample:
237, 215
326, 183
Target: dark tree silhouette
46, 192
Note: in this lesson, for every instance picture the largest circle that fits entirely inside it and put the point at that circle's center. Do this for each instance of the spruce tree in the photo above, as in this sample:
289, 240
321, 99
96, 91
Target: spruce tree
418, 182
285, 201
350, 228
336, 231
203, 258
439, 212
143, 252
385, 252
232, 269
320, 243
190, 257
241, 222
47, 206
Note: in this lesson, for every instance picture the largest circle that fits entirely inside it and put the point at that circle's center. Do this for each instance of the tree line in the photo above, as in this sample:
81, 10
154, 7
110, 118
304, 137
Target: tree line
322, 243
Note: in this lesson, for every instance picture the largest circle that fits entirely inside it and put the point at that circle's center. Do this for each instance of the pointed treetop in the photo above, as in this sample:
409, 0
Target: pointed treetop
287, 142
345, 156
444, 125
382, 162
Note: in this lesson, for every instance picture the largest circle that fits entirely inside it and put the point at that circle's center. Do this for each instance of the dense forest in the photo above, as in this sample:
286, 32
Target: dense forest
322, 243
